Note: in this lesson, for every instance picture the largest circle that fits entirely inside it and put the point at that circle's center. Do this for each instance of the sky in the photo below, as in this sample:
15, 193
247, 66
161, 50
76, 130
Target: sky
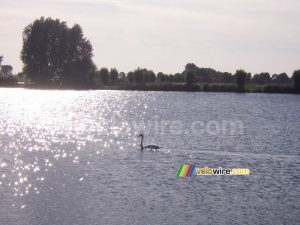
226, 35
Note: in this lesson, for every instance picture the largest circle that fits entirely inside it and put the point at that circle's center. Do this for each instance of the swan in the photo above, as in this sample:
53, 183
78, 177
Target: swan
147, 146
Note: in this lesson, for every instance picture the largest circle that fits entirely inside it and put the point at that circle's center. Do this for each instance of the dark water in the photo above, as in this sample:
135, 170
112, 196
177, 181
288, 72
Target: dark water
73, 157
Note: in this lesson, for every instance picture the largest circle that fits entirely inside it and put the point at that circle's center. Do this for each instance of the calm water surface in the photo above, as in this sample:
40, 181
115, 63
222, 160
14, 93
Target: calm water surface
73, 157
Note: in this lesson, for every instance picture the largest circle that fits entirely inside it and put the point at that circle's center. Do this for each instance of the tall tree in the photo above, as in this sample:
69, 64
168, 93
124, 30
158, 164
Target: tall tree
190, 66
296, 80
152, 77
160, 77
241, 77
189, 77
138, 76
130, 77
52, 52
104, 75
114, 75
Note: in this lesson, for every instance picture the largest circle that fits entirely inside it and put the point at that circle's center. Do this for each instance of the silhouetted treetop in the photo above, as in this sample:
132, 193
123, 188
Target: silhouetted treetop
6, 70
296, 80
241, 77
54, 53
114, 75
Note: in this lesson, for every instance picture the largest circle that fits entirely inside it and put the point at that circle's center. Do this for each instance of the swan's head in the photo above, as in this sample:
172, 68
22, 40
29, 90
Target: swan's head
141, 135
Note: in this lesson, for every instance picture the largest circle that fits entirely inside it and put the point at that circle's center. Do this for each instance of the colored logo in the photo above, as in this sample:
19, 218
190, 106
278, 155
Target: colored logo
185, 170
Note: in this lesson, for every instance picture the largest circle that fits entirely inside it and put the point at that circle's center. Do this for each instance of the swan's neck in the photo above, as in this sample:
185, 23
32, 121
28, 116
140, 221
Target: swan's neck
142, 142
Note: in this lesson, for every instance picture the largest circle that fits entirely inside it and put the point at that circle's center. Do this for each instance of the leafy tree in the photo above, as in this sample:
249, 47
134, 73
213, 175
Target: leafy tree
79, 56
54, 53
104, 75
130, 77
189, 77
178, 78
296, 80
166, 78
248, 78
114, 75
171, 78
280, 79
152, 76
241, 77
262, 78
226, 77
6, 70
149, 76
190, 66
160, 77
1, 58
138, 76
202, 75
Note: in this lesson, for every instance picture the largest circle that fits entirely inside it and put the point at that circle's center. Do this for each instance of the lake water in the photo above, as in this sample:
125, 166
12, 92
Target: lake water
73, 157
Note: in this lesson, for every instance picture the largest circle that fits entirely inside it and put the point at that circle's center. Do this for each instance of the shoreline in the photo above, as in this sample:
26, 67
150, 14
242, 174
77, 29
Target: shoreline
171, 87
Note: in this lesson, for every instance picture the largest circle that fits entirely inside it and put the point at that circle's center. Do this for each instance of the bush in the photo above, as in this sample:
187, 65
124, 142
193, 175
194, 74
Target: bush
277, 88
8, 81
220, 87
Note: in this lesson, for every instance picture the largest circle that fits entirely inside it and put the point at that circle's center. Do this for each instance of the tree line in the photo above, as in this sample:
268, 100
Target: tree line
54, 54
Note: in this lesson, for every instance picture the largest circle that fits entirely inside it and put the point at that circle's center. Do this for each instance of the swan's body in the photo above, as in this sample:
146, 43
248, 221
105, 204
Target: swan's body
147, 146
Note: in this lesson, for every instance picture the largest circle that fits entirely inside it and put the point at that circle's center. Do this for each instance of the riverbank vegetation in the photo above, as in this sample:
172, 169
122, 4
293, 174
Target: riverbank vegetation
58, 57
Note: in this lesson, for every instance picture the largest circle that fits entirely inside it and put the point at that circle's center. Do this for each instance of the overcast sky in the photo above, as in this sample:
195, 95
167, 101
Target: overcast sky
255, 35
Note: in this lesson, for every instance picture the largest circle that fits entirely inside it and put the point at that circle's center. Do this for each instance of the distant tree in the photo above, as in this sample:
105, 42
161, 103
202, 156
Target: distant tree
152, 76
114, 75
146, 76
190, 66
6, 70
280, 79
1, 58
248, 78
262, 78
241, 77
130, 77
296, 80
203, 75
166, 78
122, 75
160, 77
104, 75
138, 76
149, 76
52, 52
226, 77
171, 78
189, 77
178, 78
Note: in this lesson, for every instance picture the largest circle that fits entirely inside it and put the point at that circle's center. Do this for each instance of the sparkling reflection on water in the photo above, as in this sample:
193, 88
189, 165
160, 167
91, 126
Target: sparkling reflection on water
72, 157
